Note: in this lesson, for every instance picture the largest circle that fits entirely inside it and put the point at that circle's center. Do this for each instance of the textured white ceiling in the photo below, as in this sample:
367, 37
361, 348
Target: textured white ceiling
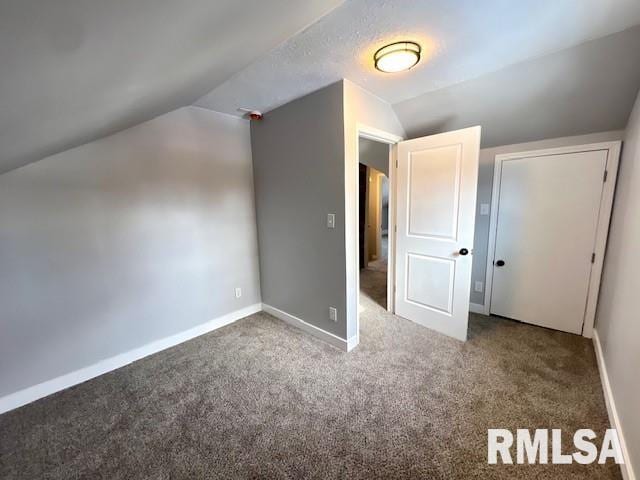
462, 39
72, 71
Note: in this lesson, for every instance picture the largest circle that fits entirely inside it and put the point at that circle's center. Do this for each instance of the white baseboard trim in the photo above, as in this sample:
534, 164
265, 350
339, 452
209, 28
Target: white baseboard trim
477, 308
627, 468
31, 394
330, 338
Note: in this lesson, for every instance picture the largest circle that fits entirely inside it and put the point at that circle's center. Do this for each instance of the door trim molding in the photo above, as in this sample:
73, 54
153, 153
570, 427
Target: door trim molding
602, 230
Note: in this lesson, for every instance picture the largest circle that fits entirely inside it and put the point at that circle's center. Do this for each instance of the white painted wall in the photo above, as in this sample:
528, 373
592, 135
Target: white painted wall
124, 241
617, 322
360, 107
485, 186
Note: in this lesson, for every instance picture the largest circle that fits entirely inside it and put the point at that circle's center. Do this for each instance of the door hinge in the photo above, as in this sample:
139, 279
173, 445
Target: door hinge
395, 229
606, 174
593, 258
396, 163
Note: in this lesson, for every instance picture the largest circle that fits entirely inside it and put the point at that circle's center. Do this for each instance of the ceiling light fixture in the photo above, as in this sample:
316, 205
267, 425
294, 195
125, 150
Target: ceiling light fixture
397, 57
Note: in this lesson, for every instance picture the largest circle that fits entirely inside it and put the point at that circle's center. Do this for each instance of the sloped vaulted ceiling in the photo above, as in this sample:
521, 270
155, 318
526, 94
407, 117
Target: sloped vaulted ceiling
524, 70
72, 71
75, 70
585, 89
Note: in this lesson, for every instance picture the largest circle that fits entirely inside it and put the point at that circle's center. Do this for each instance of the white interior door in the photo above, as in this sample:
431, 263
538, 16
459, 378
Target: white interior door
546, 232
436, 182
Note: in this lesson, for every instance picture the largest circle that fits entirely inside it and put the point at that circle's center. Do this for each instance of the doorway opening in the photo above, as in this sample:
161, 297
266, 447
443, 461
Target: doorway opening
373, 223
432, 194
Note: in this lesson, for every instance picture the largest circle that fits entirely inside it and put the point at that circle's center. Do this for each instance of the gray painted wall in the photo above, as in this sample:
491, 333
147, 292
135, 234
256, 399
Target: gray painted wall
617, 318
485, 187
374, 154
123, 241
298, 157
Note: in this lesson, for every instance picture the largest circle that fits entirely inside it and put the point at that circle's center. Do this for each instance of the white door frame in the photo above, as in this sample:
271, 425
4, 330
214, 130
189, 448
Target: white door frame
602, 231
371, 133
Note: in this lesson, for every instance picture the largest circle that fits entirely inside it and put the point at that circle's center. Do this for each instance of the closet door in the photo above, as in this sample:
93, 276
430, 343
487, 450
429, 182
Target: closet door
547, 222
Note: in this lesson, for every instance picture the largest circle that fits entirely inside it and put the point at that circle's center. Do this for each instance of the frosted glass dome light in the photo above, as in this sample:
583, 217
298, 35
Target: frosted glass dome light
397, 57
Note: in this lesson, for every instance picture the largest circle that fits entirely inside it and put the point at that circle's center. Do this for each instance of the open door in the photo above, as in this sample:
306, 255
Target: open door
436, 183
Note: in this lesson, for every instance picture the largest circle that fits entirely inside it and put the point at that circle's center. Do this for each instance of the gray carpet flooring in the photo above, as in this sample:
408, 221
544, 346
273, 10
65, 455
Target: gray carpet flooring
259, 399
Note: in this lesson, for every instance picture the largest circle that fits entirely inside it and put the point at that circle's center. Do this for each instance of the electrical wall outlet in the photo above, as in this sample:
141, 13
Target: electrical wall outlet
331, 220
479, 287
333, 314
238, 292
484, 209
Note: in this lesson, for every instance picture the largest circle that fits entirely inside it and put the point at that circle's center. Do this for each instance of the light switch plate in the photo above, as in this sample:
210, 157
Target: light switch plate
331, 220
484, 209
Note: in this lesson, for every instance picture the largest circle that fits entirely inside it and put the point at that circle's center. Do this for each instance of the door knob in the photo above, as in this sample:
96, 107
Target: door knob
499, 263
463, 251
